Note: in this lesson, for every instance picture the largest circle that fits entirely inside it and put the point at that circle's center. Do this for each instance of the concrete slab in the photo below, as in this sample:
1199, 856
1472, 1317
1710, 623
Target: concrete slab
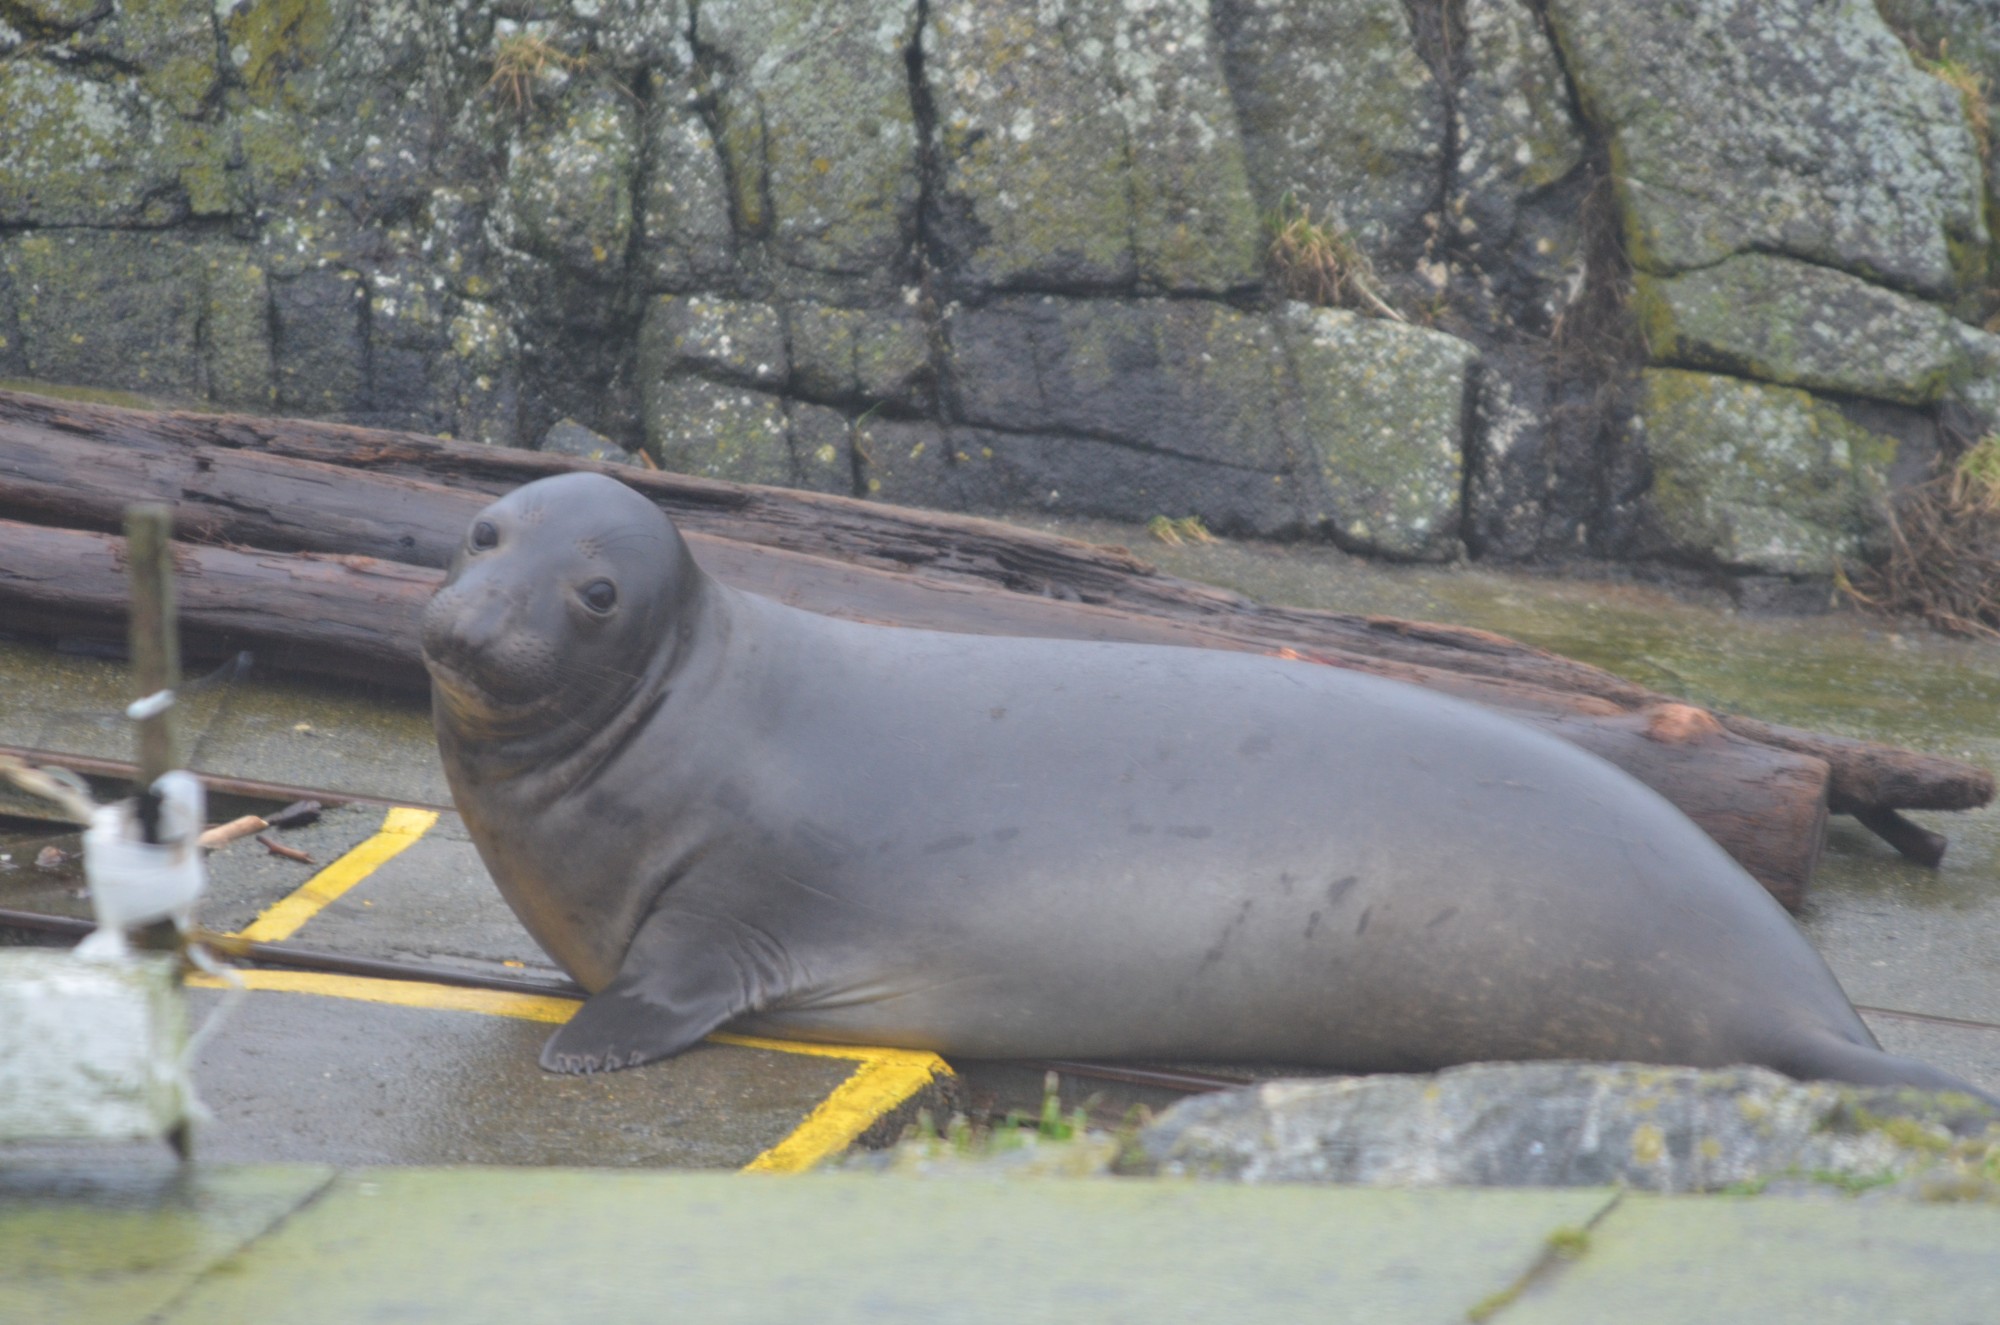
434, 903
116, 1243
555, 1246
302, 1077
1673, 1260
355, 1071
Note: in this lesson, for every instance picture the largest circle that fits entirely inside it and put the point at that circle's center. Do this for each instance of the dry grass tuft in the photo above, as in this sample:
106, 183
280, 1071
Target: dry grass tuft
520, 60
1316, 262
1187, 529
1963, 79
1944, 550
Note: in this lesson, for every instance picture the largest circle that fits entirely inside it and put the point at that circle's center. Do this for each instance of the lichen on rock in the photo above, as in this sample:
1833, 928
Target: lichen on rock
1796, 323
1358, 136
1559, 1124
724, 339
1032, 188
819, 130
695, 426
1383, 419
1760, 478
863, 356
76, 149
568, 191
685, 237
1797, 127
108, 308
1518, 142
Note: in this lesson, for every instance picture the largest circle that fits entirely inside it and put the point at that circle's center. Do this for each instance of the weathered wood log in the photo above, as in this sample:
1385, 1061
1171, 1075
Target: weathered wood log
356, 617
348, 617
248, 480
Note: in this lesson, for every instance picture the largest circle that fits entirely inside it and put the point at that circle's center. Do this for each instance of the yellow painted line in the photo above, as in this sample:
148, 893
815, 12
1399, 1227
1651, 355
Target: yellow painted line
284, 918
884, 1079
404, 993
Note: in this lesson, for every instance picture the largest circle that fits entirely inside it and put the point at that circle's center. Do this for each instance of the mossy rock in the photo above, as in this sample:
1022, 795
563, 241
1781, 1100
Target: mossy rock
1557, 1124
79, 149
1760, 478
724, 339
695, 426
1519, 141
1032, 159
862, 356
568, 191
1340, 114
1798, 127
126, 310
1383, 421
818, 129
822, 445
1780, 320
686, 238
1191, 377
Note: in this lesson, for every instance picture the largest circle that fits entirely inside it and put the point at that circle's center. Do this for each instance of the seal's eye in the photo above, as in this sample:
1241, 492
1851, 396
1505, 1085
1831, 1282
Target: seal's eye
484, 535
600, 595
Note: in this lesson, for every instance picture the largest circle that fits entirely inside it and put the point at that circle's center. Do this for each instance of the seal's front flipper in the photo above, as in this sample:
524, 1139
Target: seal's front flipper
682, 977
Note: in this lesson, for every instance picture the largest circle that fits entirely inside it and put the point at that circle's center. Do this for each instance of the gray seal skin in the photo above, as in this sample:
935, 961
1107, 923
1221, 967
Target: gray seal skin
715, 810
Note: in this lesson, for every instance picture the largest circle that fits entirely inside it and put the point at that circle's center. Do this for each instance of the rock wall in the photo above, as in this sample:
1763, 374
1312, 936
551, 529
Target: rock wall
1697, 280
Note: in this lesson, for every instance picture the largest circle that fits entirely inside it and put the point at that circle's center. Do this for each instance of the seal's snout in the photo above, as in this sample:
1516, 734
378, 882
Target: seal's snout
475, 646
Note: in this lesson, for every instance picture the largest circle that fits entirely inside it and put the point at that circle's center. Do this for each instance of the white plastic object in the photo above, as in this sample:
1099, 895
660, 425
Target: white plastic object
134, 882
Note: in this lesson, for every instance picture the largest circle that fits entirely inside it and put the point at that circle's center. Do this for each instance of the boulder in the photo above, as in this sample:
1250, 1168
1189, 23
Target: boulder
1514, 201
818, 133
1357, 138
1383, 419
1760, 478
1781, 320
1565, 1124
1096, 153
1786, 126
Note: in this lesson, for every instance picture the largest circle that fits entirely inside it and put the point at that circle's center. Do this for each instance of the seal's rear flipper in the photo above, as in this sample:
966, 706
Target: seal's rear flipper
1831, 1059
682, 977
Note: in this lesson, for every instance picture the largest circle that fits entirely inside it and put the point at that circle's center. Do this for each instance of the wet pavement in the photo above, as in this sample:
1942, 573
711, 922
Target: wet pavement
344, 1070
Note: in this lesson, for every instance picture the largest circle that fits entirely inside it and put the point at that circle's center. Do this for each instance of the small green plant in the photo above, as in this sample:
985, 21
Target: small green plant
963, 1138
1319, 263
1852, 1183
521, 59
1187, 529
1976, 476
1569, 1244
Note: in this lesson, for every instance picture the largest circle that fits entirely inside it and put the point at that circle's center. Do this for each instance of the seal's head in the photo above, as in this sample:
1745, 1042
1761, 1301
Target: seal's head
562, 605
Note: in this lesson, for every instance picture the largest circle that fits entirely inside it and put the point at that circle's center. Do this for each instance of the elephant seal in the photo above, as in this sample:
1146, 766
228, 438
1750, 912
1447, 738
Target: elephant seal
716, 810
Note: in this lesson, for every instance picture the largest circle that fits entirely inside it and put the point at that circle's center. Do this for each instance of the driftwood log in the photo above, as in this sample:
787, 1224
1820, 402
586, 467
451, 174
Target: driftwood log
315, 544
